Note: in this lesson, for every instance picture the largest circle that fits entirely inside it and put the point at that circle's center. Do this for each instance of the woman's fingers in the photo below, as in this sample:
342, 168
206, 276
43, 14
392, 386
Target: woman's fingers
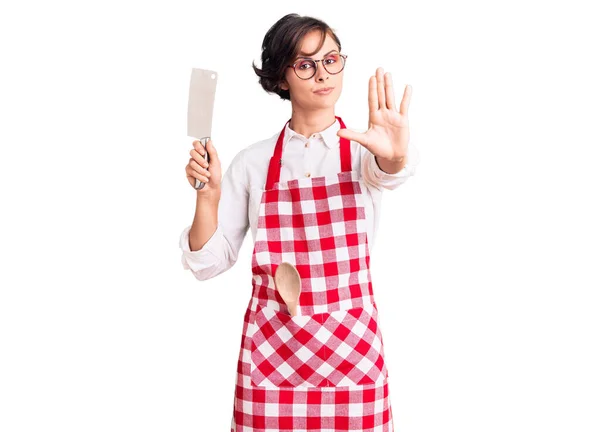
380, 88
198, 159
199, 152
199, 147
199, 169
373, 106
405, 100
204, 165
389, 92
197, 155
192, 172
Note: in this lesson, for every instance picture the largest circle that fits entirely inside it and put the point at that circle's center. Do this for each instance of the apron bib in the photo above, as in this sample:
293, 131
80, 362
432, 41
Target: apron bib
325, 368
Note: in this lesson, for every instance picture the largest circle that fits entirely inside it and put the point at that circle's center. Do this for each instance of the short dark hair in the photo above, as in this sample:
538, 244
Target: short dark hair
281, 45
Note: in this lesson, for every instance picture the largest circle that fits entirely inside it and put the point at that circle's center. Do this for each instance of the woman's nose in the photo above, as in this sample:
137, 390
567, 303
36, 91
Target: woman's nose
321, 73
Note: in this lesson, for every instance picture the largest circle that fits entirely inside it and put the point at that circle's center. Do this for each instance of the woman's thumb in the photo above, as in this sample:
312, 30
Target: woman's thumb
360, 138
212, 151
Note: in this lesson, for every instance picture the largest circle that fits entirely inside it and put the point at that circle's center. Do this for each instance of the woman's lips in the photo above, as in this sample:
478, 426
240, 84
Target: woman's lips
324, 92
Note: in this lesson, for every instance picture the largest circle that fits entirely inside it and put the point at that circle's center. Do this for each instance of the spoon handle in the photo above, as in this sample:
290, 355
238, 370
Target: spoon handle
294, 309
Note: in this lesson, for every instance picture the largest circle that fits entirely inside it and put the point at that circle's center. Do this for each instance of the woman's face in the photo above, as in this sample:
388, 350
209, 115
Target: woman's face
302, 91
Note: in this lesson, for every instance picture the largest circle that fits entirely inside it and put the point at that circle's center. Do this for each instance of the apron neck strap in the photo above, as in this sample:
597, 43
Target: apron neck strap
276, 161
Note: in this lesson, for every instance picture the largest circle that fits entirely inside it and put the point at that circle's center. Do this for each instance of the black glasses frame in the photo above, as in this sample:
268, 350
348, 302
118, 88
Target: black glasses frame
293, 66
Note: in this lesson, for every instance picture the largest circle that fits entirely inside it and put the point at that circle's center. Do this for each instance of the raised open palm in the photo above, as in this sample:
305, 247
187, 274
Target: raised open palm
388, 134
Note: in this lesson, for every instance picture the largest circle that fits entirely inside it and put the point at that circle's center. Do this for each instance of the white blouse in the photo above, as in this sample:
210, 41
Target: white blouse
243, 184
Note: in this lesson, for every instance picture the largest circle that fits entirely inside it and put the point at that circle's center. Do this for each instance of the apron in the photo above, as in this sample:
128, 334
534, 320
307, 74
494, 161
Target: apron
324, 369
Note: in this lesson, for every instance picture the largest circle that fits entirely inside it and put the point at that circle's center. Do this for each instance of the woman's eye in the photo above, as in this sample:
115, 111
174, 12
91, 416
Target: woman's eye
332, 59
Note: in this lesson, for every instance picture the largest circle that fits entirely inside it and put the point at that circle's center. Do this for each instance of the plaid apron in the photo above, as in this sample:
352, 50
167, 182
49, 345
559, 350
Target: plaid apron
322, 370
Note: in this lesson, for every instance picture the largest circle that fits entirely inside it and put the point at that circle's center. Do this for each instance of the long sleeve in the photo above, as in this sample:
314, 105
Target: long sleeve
220, 252
377, 177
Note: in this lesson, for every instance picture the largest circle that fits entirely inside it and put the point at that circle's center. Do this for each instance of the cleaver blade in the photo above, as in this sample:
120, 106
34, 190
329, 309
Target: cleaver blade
203, 86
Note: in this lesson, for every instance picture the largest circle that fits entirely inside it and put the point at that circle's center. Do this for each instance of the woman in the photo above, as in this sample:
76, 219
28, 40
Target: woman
311, 194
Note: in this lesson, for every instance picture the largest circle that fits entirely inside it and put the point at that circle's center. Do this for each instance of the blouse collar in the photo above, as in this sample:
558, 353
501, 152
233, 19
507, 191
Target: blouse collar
329, 135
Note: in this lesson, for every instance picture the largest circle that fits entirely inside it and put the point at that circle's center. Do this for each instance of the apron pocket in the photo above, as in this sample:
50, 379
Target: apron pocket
329, 349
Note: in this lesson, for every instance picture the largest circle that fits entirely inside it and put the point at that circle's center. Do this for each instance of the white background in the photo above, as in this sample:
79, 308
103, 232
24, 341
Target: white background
486, 269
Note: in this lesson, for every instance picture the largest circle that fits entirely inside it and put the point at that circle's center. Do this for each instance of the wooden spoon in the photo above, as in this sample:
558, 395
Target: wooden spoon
287, 282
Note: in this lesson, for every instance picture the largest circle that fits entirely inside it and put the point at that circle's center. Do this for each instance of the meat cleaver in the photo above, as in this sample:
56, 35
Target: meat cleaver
203, 86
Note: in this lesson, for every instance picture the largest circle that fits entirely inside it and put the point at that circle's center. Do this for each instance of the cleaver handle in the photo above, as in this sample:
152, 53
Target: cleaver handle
199, 184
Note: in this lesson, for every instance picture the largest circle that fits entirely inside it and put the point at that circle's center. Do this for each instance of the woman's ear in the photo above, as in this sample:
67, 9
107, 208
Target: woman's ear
283, 85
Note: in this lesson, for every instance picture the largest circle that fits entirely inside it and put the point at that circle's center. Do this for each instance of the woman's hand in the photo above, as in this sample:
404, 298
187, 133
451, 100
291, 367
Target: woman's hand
199, 168
388, 135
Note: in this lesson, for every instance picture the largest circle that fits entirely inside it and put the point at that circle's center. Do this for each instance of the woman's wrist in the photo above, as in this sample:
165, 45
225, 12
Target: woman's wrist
211, 197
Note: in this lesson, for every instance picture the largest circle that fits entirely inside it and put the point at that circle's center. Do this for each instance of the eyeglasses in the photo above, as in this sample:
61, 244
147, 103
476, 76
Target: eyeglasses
333, 63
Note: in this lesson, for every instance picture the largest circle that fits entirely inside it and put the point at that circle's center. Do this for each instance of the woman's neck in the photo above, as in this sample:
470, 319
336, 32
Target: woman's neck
307, 124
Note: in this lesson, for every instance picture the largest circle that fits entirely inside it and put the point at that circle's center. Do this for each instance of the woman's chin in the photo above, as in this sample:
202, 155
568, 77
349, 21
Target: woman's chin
326, 101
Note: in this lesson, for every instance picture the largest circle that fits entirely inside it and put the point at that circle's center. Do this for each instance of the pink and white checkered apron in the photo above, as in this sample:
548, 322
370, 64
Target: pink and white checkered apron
322, 370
